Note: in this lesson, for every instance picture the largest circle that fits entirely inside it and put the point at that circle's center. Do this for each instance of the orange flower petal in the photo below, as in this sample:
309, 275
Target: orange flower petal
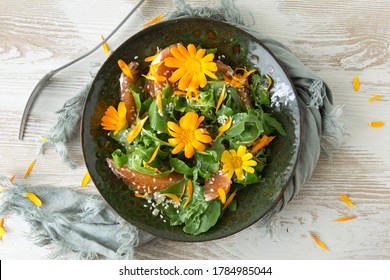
229, 200
221, 98
222, 195
154, 155
270, 82
12, 178
172, 196
319, 242
85, 180
29, 168
34, 199
375, 97
189, 193
2, 231
105, 47
356, 83
377, 124
222, 129
159, 102
347, 201
345, 218
261, 143
155, 20
125, 69
137, 129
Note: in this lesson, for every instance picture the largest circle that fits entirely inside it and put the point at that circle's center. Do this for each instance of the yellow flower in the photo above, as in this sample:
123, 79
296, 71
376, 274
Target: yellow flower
115, 120
239, 78
188, 136
238, 161
193, 66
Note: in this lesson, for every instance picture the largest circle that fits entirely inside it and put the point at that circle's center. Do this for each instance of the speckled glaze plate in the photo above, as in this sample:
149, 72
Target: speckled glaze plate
236, 48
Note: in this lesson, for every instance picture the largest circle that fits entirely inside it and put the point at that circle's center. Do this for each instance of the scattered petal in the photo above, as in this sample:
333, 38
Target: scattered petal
229, 200
345, 218
356, 83
43, 139
12, 178
137, 129
125, 69
261, 143
154, 154
172, 196
153, 57
86, 179
159, 102
155, 20
34, 199
29, 168
183, 191
347, 201
224, 127
222, 195
377, 124
270, 83
189, 193
375, 97
105, 47
2, 231
319, 242
221, 98
146, 165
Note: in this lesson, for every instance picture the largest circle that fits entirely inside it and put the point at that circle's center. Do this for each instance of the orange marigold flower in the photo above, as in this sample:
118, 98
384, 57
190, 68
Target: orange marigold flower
239, 78
190, 93
192, 66
187, 135
115, 120
235, 162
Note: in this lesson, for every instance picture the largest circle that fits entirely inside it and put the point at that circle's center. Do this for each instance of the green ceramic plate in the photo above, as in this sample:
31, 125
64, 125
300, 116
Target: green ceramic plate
236, 48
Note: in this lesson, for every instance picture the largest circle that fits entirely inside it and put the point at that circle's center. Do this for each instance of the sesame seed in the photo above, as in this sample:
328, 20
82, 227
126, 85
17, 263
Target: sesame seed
136, 57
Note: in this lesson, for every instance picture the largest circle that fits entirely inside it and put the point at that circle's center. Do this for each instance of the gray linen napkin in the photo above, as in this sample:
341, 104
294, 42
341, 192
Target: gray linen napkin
84, 223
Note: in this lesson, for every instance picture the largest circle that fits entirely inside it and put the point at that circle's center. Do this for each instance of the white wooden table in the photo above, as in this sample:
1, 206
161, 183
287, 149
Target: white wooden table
337, 39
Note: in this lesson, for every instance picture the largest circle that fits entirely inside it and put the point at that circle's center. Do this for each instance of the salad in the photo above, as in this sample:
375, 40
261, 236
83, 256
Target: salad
193, 132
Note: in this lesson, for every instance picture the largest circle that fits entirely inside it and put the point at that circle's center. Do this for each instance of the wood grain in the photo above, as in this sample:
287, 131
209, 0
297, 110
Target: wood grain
337, 40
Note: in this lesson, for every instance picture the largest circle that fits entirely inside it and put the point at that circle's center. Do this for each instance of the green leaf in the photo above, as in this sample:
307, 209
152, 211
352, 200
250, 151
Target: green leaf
210, 217
271, 123
157, 122
119, 158
180, 166
137, 101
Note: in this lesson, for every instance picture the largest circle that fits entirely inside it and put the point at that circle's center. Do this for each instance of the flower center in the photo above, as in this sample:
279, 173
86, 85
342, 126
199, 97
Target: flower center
237, 162
193, 65
187, 136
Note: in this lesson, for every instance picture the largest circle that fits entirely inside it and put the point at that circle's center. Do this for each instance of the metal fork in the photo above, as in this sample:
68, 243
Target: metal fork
48, 76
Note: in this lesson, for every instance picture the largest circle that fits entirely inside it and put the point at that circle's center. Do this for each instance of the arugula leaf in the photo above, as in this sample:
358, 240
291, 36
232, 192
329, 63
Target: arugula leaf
157, 122
180, 166
210, 217
271, 123
119, 158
